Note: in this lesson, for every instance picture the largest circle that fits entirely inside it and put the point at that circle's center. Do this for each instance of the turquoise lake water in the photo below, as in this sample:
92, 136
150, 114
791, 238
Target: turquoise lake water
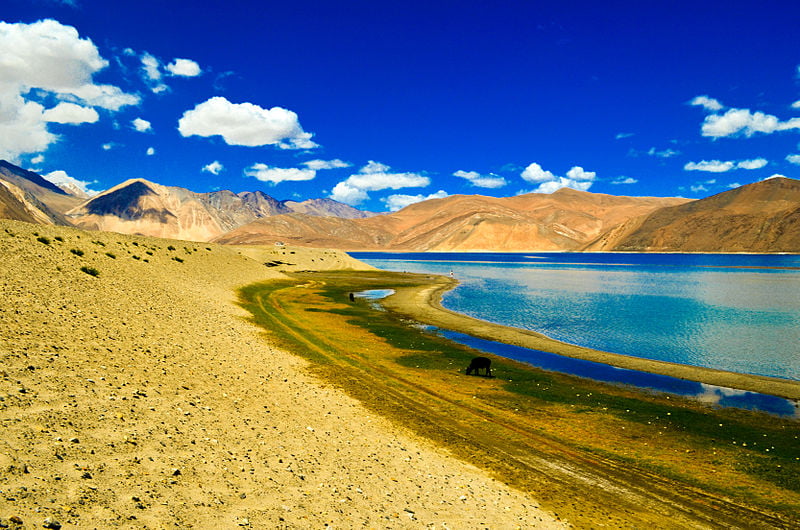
738, 313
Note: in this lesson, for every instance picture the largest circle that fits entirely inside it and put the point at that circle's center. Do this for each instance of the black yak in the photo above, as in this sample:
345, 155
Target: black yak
479, 363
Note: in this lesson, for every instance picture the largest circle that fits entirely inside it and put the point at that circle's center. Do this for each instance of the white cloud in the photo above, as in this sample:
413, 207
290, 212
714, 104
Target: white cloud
756, 163
793, 159
184, 68
37, 159
622, 136
108, 146
62, 179
721, 166
245, 124
624, 180
707, 103
374, 177
743, 121
151, 67
70, 113
665, 153
577, 178
796, 104
46, 58
141, 125
215, 168
712, 166
696, 188
481, 181
400, 201
276, 175
150, 151
326, 164
535, 174
776, 176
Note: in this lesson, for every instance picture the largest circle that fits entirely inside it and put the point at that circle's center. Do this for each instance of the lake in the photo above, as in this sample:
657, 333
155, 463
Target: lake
734, 312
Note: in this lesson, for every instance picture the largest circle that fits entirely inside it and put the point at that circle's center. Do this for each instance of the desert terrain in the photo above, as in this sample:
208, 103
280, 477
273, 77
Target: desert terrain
134, 392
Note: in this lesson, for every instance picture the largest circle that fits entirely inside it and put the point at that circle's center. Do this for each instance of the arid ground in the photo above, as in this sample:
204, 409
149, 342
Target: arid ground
135, 393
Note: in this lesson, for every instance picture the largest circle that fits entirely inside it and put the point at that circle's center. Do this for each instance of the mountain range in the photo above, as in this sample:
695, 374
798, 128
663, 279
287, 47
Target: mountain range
759, 217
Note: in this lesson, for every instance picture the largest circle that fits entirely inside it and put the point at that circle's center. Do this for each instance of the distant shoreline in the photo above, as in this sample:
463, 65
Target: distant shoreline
423, 303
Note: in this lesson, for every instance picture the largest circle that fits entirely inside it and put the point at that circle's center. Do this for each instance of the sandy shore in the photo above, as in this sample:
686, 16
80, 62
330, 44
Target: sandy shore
142, 397
424, 304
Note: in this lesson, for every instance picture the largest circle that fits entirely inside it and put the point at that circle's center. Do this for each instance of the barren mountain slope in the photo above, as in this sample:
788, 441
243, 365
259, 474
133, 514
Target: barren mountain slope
36, 193
759, 217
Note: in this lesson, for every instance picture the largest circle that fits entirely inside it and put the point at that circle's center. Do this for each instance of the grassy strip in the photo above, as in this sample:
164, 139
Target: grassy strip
747, 456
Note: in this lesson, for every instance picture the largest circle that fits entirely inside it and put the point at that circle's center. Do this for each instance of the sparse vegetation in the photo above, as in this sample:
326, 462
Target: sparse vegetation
43, 239
111, 255
91, 271
76, 251
98, 242
170, 247
179, 260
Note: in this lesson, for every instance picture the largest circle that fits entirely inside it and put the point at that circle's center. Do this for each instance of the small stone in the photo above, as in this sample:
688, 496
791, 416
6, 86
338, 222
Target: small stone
86, 475
176, 472
15, 519
74, 440
49, 522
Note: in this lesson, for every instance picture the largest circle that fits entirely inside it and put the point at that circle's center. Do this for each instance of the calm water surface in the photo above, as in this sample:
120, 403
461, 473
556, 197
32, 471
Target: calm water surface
732, 312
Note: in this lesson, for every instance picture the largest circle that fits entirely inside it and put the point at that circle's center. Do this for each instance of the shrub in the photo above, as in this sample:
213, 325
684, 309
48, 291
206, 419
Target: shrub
179, 260
98, 242
170, 247
59, 238
111, 255
76, 251
42, 239
135, 257
91, 271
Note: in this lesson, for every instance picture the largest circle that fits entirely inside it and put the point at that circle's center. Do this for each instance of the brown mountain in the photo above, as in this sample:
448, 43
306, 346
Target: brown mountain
759, 217
138, 206
564, 220
26, 196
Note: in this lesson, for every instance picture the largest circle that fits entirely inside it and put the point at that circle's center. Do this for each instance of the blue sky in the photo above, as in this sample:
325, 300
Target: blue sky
378, 104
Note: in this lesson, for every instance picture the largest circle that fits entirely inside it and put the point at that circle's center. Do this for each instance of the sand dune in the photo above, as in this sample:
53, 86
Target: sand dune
142, 397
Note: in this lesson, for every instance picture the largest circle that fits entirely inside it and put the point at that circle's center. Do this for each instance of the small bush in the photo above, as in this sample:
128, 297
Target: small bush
111, 255
98, 242
170, 247
91, 271
76, 251
59, 238
148, 252
42, 239
179, 260
135, 257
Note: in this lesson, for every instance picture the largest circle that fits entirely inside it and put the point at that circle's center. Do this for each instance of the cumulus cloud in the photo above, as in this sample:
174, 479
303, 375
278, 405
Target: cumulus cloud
184, 68
150, 151
796, 104
48, 59
481, 181
215, 168
70, 184
245, 124
151, 70
710, 104
400, 201
374, 177
577, 178
142, 125
326, 164
743, 121
70, 113
793, 159
276, 175
721, 166
108, 146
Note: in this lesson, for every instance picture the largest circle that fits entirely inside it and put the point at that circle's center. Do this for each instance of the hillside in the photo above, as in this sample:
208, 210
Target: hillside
759, 217
26, 196
564, 220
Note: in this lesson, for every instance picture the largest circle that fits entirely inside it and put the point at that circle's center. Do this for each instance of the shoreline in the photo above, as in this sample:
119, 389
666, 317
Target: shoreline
423, 303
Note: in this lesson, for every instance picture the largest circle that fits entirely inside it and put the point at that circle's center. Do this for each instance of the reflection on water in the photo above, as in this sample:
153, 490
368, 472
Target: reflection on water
739, 313
725, 397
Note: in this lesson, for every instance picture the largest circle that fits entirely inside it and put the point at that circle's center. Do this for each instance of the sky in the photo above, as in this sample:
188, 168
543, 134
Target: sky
381, 104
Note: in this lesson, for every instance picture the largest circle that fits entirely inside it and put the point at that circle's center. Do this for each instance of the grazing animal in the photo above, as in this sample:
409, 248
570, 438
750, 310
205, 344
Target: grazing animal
479, 363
